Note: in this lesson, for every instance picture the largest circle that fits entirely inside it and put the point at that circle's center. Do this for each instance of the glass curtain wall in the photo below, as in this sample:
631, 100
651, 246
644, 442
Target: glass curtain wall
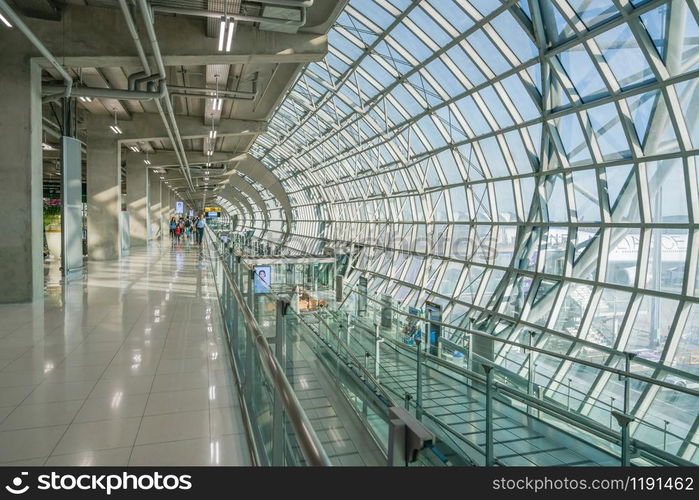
528, 165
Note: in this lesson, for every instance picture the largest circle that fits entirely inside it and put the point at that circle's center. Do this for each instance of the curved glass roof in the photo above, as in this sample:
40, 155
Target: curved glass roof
528, 165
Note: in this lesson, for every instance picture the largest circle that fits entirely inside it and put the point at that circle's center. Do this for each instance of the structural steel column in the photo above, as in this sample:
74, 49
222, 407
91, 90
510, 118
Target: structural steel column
103, 198
21, 253
137, 196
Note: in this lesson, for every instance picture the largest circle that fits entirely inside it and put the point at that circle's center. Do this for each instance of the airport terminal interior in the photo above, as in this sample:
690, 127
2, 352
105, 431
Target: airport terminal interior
426, 233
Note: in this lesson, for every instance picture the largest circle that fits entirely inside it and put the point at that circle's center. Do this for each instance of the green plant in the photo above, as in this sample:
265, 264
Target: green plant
52, 214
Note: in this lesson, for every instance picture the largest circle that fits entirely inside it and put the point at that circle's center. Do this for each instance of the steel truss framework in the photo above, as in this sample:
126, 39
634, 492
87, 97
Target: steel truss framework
530, 165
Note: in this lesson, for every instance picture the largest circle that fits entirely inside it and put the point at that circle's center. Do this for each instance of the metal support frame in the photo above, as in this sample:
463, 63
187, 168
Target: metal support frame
552, 109
278, 417
624, 420
418, 375
378, 340
489, 435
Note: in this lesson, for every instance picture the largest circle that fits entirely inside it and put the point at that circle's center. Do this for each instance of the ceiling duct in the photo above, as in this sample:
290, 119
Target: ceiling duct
281, 14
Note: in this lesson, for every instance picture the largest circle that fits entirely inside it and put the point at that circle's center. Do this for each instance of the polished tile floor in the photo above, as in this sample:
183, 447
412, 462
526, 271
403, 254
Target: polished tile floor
128, 366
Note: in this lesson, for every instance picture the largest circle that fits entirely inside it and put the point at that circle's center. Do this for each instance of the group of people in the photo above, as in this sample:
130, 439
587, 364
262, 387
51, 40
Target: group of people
188, 228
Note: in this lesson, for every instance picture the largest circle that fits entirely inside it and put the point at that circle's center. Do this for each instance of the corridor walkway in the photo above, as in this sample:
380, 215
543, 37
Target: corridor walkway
126, 367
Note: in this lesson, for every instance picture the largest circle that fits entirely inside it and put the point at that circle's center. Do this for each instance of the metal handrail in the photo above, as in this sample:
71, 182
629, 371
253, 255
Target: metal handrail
564, 357
309, 443
551, 408
574, 418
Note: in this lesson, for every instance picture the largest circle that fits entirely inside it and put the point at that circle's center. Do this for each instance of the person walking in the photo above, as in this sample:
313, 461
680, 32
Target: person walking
188, 229
173, 225
200, 224
179, 227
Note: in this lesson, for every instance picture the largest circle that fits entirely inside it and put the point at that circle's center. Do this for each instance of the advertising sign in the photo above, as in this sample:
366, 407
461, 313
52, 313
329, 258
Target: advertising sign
263, 279
179, 207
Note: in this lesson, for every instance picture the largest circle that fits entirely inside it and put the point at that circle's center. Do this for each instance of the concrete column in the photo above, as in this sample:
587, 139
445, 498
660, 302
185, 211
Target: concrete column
103, 196
154, 205
21, 255
165, 200
137, 196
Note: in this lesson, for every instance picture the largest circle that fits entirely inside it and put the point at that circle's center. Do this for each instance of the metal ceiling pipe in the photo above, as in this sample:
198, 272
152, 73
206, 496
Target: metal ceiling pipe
133, 77
221, 93
96, 92
148, 21
145, 79
235, 17
40, 46
203, 96
288, 3
147, 72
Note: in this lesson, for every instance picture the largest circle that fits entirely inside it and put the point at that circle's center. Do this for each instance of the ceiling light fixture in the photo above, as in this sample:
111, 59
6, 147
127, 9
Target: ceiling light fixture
212, 132
226, 30
115, 128
218, 102
146, 161
85, 99
5, 21
134, 149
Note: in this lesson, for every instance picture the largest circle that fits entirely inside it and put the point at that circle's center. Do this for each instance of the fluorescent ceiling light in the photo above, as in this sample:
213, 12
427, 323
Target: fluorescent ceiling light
231, 29
47, 147
212, 134
146, 161
85, 99
225, 33
221, 34
5, 21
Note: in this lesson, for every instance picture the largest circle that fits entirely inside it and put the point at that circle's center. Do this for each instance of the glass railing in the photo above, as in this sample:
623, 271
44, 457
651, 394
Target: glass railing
280, 430
285, 328
520, 375
556, 399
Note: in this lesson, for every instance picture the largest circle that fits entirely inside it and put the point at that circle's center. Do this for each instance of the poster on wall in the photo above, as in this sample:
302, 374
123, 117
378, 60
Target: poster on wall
179, 207
262, 279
